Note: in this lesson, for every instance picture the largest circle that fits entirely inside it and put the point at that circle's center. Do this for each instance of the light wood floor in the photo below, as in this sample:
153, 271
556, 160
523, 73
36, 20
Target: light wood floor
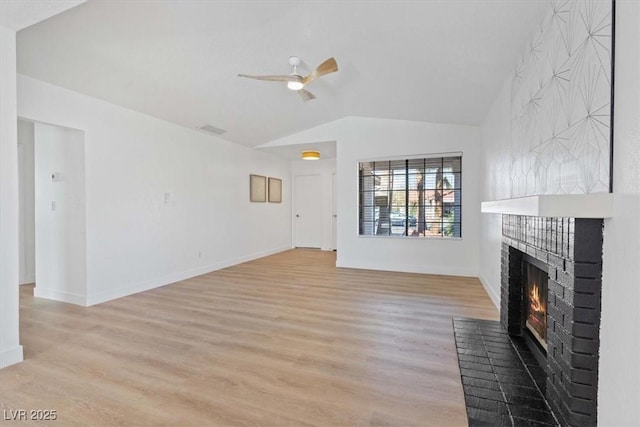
283, 340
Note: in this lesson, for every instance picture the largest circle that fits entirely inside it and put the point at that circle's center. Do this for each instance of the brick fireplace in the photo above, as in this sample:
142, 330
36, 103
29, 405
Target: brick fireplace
570, 251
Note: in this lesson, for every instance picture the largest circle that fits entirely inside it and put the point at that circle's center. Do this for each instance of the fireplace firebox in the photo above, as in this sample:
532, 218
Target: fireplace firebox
535, 301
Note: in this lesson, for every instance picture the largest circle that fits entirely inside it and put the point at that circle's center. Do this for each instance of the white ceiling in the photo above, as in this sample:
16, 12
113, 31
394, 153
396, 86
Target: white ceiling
19, 14
438, 61
327, 150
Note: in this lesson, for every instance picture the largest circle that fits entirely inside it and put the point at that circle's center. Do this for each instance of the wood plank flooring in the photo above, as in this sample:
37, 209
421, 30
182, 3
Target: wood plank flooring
286, 340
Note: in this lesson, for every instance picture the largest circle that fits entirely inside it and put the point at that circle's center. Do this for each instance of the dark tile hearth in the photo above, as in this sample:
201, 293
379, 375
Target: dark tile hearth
503, 383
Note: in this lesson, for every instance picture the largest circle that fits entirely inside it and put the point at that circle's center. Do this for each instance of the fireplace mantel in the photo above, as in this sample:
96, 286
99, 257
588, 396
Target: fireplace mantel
598, 205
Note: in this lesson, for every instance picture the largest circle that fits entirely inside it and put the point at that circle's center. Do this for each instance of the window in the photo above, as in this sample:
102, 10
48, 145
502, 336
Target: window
411, 197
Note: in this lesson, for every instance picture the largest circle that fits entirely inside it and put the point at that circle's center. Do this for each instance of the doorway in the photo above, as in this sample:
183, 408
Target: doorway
52, 226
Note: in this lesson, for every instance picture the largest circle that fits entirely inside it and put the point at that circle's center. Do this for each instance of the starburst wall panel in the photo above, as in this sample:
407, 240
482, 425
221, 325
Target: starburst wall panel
561, 103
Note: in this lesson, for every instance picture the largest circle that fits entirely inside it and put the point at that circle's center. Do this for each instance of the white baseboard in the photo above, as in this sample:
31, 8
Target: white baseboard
11, 356
28, 280
407, 268
68, 297
175, 277
495, 298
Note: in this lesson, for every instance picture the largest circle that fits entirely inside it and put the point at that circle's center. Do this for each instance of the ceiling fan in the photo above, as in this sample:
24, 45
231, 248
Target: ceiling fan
297, 82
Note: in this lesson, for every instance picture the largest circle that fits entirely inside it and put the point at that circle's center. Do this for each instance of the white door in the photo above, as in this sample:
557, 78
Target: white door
334, 214
307, 214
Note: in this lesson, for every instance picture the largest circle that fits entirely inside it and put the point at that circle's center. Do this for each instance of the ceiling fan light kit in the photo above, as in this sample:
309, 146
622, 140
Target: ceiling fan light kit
294, 61
310, 155
297, 82
295, 85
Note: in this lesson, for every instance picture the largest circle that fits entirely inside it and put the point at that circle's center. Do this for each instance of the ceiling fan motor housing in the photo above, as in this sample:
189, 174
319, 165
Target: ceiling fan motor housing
295, 61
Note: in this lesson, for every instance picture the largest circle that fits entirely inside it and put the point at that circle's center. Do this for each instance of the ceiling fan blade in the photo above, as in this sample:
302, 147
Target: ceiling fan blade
306, 95
328, 66
285, 78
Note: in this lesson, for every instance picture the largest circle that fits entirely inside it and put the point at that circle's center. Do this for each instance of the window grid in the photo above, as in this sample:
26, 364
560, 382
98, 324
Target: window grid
411, 197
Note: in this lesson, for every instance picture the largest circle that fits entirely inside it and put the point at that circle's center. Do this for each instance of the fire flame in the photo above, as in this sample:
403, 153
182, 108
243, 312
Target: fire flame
534, 299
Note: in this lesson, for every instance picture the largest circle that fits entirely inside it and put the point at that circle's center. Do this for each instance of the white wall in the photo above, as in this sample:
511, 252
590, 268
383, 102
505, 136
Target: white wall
367, 139
10, 348
60, 214
324, 168
361, 139
26, 185
619, 375
163, 203
495, 184
619, 387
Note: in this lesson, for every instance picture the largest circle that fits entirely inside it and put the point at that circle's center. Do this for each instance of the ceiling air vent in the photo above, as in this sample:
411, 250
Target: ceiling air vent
212, 129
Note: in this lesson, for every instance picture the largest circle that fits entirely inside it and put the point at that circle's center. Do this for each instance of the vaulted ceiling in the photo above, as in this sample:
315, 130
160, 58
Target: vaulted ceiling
437, 61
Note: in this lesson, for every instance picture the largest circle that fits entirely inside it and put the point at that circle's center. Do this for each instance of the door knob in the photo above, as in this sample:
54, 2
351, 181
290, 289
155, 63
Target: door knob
297, 216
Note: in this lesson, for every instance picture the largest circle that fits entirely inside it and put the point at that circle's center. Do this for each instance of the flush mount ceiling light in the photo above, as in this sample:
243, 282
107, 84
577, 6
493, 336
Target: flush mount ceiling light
310, 155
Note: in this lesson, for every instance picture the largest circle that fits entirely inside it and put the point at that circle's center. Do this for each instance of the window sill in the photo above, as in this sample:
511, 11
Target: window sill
408, 237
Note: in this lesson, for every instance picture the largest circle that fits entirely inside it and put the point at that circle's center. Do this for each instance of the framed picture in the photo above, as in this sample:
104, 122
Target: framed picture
275, 190
257, 188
